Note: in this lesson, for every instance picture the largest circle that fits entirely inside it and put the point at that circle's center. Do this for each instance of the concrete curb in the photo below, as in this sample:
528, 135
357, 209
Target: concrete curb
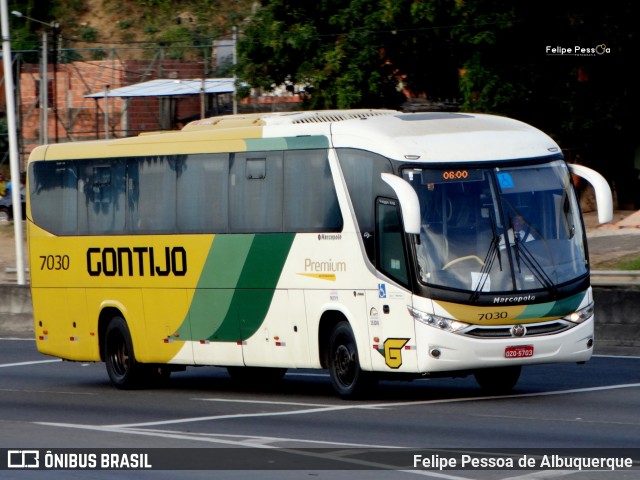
617, 329
16, 311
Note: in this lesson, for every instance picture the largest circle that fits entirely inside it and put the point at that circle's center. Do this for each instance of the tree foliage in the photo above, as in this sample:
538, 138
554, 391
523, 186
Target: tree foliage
492, 56
353, 53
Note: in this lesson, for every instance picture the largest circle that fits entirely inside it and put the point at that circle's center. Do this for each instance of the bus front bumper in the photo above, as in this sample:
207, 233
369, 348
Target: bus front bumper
441, 351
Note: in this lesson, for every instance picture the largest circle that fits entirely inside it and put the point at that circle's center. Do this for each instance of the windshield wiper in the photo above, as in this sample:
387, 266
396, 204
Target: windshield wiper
532, 264
492, 253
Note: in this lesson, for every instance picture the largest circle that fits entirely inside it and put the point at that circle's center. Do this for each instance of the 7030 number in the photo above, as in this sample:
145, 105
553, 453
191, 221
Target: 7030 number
493, 315
54, 262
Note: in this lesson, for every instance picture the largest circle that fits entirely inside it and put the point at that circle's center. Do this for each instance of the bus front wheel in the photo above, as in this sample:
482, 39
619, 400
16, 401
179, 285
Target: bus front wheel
124, 371
347, 378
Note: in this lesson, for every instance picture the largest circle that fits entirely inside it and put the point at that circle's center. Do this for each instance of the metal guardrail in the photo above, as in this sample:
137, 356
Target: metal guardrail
615, 278
11, 274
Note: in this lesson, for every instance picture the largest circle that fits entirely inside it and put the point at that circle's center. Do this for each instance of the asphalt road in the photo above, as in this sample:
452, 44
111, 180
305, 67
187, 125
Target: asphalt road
47, 404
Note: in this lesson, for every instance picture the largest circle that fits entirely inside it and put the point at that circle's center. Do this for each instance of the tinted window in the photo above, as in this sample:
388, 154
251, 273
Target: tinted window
255, 192
101, 197
310, 201
390, 233
362, 171
54, 186
273, 191
202, 194
151, 194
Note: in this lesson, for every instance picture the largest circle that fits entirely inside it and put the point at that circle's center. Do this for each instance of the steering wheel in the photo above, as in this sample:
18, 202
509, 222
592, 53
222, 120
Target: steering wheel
462, 259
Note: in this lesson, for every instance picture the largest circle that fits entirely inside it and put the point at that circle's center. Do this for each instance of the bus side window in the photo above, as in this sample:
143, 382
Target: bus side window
310, 199
390, 240
255, 192
54, 192
151, 177
101, 197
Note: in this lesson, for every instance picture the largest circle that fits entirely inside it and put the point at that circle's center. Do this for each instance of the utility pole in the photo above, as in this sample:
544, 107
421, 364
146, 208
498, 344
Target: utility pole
106, 111
235, 62
13, 142
44, 91
44, 78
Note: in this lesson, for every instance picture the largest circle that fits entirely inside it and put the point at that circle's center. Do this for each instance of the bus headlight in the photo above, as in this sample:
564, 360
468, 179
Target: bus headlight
580, 315
435, 321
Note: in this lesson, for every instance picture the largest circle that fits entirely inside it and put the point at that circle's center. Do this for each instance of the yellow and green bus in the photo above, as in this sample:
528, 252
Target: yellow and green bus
372, 243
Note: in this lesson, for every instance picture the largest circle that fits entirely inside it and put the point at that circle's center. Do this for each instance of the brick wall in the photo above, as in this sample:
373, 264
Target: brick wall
72, 117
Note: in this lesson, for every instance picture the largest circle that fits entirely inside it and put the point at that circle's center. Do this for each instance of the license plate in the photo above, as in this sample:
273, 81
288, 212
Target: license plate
518, 351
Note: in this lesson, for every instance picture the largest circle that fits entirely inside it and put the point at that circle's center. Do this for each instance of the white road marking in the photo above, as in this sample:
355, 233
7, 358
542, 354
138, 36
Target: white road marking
233, 416
332, 408
48, 392
628, 357
268, 442
259, 442
543, 474
262, 402
265, 402
515, 395
22, 364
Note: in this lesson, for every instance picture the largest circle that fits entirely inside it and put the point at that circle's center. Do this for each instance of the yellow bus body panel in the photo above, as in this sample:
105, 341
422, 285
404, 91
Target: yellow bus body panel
154, 306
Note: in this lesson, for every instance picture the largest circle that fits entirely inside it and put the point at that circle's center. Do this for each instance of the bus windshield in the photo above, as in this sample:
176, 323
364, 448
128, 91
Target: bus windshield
498, 229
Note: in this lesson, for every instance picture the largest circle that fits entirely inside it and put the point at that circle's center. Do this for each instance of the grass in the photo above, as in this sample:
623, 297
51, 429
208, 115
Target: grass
631, 263
627, 262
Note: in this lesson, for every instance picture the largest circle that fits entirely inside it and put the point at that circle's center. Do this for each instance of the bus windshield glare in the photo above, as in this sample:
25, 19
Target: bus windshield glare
499, 229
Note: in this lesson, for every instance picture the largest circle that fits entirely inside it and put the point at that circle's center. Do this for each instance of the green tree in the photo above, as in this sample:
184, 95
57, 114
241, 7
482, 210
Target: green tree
586, 100
491, 55
355, 53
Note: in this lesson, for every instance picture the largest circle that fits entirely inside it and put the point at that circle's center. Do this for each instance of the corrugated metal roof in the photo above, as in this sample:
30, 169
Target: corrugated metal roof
170, 87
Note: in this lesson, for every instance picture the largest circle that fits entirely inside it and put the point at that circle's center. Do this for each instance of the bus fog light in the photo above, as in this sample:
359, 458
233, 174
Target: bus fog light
435, 353
590, 343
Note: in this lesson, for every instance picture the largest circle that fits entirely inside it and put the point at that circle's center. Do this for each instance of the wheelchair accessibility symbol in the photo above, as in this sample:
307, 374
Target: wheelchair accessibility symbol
382, 290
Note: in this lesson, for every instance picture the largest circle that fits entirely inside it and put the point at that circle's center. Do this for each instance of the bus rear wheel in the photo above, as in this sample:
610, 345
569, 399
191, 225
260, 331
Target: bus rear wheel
347, 378
498, 380
124, 371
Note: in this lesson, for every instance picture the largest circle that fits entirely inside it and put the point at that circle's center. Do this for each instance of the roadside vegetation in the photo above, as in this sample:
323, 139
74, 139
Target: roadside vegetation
564, 68
628, 262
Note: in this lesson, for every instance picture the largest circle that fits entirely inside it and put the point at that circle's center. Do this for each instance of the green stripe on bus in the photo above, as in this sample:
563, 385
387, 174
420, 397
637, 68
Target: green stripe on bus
225, 261
567, 305
553, 309
307, 143
259, 279
287, 143
236, 287
214, 292
265, 144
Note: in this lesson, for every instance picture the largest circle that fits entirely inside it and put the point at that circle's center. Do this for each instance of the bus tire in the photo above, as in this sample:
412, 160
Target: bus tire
498, 380
347, 378
124, 371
